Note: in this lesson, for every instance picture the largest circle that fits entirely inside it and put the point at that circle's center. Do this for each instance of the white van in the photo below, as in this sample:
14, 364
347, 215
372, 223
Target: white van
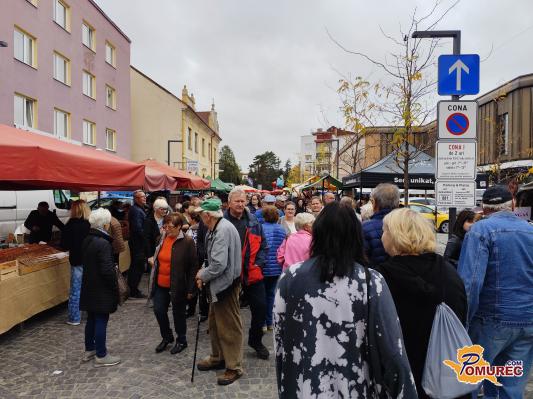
15, 206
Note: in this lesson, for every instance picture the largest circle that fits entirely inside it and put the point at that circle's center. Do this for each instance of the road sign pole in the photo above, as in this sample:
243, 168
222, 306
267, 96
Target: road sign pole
452, 212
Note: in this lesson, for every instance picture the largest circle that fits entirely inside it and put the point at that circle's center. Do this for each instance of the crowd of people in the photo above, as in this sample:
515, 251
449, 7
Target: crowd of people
349, 290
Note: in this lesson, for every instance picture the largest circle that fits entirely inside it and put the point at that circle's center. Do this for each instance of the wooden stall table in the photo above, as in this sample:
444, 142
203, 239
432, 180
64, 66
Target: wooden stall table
25, 296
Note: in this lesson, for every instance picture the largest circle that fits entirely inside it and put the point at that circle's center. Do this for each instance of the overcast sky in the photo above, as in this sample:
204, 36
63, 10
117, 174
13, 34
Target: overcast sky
272, 69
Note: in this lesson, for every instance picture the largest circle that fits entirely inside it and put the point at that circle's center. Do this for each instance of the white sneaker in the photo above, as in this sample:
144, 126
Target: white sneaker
88, 355
106, 361
73, 323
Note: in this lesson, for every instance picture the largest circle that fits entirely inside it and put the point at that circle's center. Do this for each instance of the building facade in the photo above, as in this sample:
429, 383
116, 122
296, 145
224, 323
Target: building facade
65, 72
307, 156
165, 125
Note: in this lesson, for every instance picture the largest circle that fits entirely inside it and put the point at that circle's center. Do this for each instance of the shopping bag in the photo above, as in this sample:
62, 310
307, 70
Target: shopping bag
447, 336
123, 288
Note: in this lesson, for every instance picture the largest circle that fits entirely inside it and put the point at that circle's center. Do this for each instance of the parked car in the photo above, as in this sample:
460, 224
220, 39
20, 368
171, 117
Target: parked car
106, 202
442, 222
424, 201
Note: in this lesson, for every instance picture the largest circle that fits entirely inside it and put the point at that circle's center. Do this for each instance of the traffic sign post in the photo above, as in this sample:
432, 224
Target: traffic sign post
458, 74
457, 119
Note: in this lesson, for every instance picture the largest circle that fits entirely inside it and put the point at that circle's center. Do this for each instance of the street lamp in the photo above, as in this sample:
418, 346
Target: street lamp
3, 44
456, 36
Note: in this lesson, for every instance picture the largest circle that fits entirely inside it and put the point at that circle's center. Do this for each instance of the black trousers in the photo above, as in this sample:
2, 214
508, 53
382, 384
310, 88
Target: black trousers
204, 305
256, 296
161, 301
138, 261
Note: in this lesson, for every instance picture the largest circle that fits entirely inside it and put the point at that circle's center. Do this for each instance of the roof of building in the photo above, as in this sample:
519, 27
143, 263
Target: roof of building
109, 20
186, 106
204, 115
512, 85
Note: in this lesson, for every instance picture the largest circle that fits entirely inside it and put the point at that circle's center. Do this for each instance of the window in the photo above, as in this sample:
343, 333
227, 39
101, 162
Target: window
110, 54
89, 84
89, 133
61, 14
504, 134
61, 69
203, 147
209, 151
110, 140
24, 47
61, 124
189, 139
110, 97
196, 142
88, 36
25, 111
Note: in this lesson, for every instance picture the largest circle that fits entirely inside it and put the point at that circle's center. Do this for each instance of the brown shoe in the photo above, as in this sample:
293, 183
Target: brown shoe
207, 364
229, 377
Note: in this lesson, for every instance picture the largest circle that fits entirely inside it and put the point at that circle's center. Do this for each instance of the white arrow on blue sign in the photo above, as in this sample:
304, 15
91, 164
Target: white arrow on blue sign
458, 74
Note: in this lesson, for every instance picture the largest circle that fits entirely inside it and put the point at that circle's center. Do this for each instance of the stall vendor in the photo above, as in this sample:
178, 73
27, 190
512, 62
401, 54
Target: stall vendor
40, 223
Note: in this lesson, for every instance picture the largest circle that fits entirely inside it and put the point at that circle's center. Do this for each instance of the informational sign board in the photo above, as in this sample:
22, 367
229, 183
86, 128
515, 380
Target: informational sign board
453, 193
193, 167
457, 119
523, 212
456, 160
458, 74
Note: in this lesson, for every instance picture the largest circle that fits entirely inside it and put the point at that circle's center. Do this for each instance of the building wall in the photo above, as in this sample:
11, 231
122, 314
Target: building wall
307, 156
39, 84
156, 118
516, 100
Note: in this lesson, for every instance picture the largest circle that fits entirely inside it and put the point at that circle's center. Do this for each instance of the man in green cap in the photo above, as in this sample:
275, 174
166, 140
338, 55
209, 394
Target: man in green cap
221, 277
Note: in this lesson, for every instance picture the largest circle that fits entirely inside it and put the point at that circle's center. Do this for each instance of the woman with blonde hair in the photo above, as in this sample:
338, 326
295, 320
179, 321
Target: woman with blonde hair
419, 280
72, 237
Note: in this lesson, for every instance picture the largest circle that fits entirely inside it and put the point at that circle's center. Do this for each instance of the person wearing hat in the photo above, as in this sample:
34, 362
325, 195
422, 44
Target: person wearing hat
269, 200
221, 277
496, 265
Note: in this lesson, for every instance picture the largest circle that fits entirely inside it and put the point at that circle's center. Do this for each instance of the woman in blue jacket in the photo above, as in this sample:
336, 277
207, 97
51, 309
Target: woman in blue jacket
274, 234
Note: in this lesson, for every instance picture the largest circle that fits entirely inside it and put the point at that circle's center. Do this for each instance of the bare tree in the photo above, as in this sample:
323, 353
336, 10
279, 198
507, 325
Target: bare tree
406, 101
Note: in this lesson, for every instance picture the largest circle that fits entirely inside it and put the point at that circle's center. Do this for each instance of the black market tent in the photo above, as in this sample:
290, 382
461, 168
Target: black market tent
386, 170
219, 185
328, 182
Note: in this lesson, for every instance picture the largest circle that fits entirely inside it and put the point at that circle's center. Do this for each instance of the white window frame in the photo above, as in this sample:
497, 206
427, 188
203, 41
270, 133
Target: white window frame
28, 114
59, 60
90, 40
89, 84
110, 51
113, 104
24, 47
114, 133
89, 132
66, 22
64, 123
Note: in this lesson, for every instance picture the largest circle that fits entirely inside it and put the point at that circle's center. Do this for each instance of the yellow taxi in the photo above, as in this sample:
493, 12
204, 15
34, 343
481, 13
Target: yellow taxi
442, 222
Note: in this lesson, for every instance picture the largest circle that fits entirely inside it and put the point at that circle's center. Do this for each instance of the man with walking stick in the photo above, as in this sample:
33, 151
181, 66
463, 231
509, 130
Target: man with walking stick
221, 277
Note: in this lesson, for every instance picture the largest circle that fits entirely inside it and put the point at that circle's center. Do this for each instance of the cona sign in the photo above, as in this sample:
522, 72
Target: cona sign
456, 160
457, 119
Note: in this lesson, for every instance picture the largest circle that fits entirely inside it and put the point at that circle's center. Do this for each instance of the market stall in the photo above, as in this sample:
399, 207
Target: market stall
36, 277
183, 179
220, 186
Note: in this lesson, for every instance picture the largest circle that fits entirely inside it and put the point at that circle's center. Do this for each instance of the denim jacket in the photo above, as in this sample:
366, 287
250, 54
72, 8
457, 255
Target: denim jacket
496, 265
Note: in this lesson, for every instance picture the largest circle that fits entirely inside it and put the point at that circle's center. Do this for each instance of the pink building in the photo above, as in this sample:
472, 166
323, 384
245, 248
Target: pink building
66, 72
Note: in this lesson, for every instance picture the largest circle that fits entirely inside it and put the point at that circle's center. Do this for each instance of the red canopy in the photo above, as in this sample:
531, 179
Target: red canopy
156, 180
31, 161
183, 179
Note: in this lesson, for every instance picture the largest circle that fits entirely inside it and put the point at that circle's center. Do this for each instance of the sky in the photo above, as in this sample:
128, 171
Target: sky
272, 69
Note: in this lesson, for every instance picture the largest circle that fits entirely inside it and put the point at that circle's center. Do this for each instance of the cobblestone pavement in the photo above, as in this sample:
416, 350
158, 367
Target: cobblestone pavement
43, 361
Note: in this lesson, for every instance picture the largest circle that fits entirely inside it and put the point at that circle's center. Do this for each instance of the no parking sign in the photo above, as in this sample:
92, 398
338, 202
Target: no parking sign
457, 119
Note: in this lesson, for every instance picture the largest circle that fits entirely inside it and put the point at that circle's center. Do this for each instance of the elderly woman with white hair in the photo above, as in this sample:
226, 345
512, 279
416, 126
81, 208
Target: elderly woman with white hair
99, 288
153, 225
296, 247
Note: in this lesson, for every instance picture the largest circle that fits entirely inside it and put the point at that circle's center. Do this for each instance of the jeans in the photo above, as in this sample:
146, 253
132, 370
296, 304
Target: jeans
76, 274
95, 333
256, 296
270, 288
161, 301
138, 261
503, 342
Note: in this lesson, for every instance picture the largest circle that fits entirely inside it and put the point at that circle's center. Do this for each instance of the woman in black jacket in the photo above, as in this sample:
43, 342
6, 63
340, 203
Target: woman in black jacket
99, 288
417, 276
72, 238
465, 220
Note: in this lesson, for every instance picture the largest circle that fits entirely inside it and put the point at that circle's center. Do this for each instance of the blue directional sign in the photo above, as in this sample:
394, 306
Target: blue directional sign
458, 74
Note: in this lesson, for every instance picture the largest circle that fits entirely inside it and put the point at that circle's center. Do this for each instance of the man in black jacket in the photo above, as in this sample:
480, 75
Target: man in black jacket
136, 217
40, 223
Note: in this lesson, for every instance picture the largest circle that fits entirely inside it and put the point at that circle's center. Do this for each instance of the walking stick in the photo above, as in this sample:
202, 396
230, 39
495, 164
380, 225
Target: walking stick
197, 336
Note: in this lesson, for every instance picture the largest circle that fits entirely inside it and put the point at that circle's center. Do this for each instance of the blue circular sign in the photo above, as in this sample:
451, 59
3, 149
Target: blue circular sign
457, 124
